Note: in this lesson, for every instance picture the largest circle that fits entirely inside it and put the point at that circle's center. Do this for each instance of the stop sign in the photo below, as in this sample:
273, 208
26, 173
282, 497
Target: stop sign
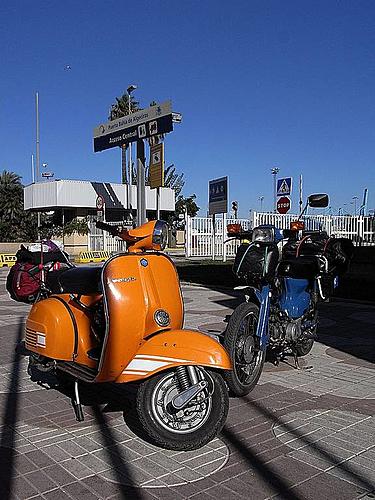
283, 205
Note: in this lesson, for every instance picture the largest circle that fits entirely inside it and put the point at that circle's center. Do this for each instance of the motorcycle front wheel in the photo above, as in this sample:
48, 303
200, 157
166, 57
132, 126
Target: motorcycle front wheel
243, 347
187, 429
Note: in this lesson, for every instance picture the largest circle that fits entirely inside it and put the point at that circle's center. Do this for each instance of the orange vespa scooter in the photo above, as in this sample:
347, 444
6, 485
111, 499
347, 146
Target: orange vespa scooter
123, 323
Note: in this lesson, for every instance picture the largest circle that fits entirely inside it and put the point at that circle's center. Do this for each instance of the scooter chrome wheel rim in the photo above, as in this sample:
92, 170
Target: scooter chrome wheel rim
247, 354
184, 421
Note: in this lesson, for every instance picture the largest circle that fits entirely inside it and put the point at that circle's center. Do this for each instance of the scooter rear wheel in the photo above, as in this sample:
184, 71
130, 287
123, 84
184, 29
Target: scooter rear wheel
187, 429
243, 347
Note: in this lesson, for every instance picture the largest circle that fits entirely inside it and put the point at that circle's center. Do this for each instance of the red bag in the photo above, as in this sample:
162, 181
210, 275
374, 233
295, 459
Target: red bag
23, 282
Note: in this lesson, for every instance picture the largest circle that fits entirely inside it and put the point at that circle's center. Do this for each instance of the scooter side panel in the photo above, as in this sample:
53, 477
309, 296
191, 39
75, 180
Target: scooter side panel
136, 286
50, 331
175, 348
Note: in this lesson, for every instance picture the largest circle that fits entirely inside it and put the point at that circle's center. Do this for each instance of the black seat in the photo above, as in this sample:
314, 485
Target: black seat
81, 280
302, 267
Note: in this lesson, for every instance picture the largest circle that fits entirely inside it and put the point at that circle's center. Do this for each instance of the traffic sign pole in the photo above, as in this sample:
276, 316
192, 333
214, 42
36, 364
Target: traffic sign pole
141, 188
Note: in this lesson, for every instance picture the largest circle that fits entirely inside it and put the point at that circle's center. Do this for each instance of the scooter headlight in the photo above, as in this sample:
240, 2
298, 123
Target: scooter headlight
160, 235
266, 234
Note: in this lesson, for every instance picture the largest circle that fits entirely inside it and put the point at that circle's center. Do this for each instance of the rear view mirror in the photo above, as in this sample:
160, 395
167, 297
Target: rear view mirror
318, 200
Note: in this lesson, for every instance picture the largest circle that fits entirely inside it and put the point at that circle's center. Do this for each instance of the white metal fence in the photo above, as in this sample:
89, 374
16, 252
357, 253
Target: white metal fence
101, 240
199, 235
360, 229
202, 239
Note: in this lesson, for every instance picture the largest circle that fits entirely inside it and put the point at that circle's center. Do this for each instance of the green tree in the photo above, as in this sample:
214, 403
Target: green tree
15, 223
119, 109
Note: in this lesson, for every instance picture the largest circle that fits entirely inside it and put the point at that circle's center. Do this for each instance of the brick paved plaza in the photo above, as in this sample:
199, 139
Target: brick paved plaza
299, 435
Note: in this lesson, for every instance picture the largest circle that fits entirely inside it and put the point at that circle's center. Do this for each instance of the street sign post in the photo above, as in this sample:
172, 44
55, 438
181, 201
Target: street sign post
218, 196
100, 204
283, 205
157, 165
284, 186
143, 124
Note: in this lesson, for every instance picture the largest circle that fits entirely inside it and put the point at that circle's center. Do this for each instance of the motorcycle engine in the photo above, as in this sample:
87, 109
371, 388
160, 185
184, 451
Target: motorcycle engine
293, 330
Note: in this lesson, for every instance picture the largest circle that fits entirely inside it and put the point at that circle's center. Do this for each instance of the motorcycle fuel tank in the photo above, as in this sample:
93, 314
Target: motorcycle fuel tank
295, 298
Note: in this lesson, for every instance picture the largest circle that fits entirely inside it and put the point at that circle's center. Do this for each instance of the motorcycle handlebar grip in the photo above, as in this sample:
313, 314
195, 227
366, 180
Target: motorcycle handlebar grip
107, 227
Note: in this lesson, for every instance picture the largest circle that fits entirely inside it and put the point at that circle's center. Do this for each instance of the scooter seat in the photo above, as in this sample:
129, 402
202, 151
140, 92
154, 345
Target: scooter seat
81, 280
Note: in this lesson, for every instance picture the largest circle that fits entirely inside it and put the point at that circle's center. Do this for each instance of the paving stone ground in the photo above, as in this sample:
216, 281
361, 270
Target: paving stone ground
301, 434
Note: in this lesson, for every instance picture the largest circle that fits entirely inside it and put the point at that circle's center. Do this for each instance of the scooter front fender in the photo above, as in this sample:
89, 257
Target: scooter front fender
175, 348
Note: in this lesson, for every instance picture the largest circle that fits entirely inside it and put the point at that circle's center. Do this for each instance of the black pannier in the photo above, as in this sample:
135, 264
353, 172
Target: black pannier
256, 262
338, 251
312, 243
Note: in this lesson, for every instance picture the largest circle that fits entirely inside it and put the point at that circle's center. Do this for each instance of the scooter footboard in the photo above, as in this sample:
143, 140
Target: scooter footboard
175, 348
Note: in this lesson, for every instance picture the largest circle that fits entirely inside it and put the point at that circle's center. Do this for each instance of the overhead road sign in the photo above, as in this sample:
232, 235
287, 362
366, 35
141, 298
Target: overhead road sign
284, 186
218, 196
283, 205
143, 124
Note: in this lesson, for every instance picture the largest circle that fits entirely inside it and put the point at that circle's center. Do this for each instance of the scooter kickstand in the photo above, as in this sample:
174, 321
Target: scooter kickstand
77, 407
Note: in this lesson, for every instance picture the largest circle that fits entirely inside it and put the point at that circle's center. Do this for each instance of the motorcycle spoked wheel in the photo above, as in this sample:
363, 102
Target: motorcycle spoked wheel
189, 428
243, 347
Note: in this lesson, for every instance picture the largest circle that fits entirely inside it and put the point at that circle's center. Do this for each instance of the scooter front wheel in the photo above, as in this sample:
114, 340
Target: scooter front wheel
243, 347
189, 428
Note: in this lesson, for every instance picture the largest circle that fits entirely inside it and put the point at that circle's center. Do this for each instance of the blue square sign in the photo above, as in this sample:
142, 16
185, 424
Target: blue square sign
284, 186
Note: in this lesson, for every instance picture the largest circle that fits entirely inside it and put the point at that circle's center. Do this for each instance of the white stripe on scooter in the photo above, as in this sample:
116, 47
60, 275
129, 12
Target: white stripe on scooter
145, 365
133, 372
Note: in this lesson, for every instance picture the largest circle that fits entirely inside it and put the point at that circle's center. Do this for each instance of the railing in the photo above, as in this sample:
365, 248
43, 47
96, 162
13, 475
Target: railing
360, 229
199, 234
203, 239
101, 240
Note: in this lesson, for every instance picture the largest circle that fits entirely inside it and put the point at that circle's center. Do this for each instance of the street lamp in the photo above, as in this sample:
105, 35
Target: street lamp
261, 198
274, 172
355, 198
129, 90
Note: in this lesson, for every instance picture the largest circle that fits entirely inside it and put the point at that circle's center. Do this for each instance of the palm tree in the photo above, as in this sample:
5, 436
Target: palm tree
11, 195
118, 110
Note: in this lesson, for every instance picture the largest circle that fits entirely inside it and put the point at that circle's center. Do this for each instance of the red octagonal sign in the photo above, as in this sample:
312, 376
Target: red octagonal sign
283, 205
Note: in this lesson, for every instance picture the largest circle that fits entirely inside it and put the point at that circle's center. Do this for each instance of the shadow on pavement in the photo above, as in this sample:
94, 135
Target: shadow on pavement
312, 445
280, 486
117, 457
9, 421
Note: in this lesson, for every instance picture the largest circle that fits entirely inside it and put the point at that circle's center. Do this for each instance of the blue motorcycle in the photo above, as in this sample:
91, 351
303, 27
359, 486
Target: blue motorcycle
287, 272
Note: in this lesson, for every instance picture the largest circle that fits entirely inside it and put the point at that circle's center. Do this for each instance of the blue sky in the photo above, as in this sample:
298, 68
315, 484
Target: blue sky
259, 84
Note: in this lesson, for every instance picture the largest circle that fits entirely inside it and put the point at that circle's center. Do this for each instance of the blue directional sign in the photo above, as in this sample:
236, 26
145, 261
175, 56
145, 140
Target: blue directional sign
284, 186
218, 196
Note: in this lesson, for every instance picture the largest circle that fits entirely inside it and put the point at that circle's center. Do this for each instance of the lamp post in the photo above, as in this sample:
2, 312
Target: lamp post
355, 198
274, 172
129, 90
261, 198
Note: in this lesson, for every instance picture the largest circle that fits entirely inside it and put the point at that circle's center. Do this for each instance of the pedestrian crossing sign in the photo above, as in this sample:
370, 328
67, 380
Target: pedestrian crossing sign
284, 186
